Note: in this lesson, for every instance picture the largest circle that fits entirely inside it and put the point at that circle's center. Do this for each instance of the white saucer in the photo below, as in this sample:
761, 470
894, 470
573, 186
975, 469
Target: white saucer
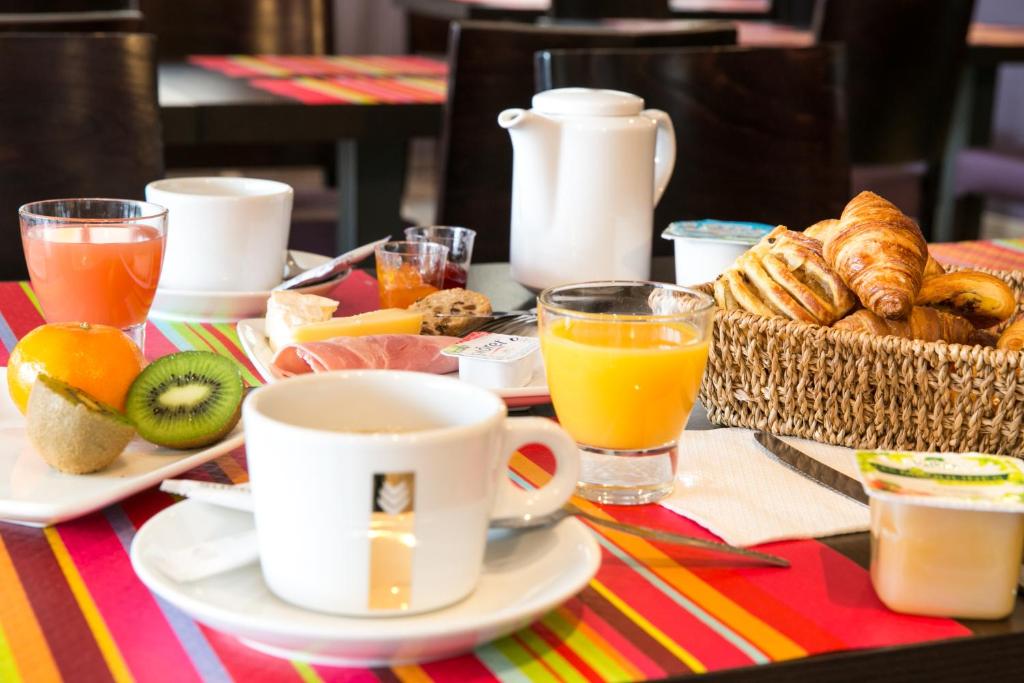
252, 335
525, 575
33, 493
181, 305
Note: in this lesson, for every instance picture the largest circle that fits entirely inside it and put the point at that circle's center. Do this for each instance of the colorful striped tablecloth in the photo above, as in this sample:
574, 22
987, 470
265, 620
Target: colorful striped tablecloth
72, 608
286, 66
351, 90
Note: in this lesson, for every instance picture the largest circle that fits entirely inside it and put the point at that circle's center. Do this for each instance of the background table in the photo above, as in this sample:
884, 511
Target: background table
71, 607
203, 106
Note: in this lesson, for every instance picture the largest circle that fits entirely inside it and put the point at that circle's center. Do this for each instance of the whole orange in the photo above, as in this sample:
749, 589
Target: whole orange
98, 359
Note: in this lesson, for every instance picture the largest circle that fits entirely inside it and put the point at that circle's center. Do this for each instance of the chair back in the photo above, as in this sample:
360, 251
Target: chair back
904, 61
78, 118
185, 27
491, 69
73, 16
760, 133
601, 9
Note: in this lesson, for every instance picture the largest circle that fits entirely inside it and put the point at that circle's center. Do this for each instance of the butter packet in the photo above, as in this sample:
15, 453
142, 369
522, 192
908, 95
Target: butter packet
496, 361
962, 481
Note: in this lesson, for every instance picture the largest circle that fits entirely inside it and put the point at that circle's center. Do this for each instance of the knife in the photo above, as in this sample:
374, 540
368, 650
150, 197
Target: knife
805, 465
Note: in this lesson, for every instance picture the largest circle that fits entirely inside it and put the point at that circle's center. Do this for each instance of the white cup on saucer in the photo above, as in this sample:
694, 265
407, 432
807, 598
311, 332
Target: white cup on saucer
373, 489
223, 233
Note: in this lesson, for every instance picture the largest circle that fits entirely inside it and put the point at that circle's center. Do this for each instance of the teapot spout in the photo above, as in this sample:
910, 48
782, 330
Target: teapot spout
514, 118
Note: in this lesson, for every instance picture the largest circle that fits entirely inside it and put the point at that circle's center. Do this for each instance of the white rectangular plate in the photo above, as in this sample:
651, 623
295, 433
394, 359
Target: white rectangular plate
33, 493
252, 334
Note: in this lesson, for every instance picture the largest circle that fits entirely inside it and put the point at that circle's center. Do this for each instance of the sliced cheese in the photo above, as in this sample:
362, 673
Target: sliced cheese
386, 321
289, 310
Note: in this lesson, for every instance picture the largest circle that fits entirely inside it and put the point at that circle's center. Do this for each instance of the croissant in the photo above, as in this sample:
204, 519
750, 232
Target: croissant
933, 268
785, 275
927, 324
1012, 338
822, 229
879, 253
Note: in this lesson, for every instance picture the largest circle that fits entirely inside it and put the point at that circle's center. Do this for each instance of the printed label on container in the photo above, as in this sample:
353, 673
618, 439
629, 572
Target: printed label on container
963, 481
502, 348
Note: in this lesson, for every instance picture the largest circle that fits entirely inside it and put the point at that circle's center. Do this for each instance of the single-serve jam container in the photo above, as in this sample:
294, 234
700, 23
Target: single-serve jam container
704, 248
947, 531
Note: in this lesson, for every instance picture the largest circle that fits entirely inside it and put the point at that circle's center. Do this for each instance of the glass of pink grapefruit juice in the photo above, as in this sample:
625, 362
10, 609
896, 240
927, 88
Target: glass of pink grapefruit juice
95, 260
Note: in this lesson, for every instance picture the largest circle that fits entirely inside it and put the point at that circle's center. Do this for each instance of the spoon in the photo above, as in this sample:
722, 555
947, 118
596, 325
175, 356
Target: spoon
570, 510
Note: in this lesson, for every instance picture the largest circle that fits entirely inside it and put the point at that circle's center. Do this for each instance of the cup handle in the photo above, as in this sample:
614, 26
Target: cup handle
512, 501
664, 150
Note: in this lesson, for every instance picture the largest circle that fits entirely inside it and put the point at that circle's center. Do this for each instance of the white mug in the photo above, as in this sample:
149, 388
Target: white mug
223, 234
373, 489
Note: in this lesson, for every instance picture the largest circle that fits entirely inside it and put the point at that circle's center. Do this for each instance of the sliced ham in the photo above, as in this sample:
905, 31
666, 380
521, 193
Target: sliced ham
379, 351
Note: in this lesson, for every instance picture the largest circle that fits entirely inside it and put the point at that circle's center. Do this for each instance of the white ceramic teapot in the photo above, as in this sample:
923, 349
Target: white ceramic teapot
589, 166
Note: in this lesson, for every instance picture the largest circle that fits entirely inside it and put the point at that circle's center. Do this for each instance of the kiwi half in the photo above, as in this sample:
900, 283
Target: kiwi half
73, 431
186, 400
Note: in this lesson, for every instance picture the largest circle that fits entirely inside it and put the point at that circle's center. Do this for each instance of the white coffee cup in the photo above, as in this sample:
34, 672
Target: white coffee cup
223, 233
373, 489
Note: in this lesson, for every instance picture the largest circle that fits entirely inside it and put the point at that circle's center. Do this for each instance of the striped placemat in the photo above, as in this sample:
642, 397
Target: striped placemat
996, 254
348, 90
72, 608
283, 66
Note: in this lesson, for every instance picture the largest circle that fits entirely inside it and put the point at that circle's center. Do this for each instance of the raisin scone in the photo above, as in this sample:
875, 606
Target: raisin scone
442, 310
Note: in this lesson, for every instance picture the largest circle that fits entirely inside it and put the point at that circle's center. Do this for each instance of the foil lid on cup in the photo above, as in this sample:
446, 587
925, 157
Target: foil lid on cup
957, 481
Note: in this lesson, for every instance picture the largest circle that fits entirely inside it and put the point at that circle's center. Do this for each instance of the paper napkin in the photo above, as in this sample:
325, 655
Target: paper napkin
729, 485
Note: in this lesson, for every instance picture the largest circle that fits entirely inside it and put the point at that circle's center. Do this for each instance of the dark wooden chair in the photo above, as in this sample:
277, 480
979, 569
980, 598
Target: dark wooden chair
185, 27
600, 9
760, 133
78, 118
75, 16
491, 69
904, 61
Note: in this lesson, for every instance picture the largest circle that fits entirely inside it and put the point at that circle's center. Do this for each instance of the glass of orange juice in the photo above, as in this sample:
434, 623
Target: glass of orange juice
408, 271
624, 362
95, 260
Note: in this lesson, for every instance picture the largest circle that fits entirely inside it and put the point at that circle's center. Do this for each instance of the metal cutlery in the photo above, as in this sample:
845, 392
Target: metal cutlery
331, 269
523, 323
570, 510
812, 469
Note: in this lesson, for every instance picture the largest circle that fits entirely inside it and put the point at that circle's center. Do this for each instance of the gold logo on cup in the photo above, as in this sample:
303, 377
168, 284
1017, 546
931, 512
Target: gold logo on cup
392, 540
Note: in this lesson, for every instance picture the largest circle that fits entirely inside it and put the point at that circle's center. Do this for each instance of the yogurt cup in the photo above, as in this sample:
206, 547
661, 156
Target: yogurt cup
704, 248
947, 531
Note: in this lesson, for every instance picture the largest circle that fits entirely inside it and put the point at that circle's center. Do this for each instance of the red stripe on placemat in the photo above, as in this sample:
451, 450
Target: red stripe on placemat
157, 345
464, 668
19, 311
245, 664
737, 584
983, 254
140, 507
390, 90
224, 64
68, 634
828, 599
148, 645
644, 652
682, 626
296, 91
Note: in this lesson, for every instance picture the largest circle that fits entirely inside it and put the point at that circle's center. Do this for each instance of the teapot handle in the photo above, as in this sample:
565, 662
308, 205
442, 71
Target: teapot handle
664, 151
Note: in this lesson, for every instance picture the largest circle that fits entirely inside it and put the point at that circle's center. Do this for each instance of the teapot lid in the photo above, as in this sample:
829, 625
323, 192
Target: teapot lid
587, 102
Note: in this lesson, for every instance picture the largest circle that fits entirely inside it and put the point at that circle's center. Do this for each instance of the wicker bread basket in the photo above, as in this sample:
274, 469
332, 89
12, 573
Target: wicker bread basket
864, 391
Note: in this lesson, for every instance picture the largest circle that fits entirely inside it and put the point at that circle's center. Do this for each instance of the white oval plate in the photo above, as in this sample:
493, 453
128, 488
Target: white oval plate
33, 493
525, 575
180, 305
252, 334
